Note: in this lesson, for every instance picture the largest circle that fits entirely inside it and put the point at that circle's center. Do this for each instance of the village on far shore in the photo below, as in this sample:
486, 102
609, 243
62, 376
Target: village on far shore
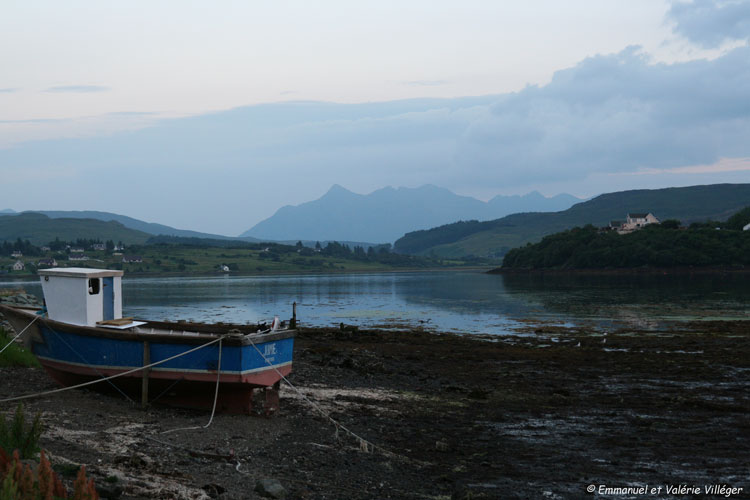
74, 254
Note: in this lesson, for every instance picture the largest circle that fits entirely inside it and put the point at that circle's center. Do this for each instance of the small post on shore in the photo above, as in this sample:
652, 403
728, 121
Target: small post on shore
144, 379
293, 321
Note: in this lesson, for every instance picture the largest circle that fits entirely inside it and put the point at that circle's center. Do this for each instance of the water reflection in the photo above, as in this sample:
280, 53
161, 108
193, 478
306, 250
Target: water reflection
469, 302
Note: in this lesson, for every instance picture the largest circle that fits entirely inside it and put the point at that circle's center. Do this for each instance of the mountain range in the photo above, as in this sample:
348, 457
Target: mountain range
494, 238
391, 210
150, 228
388, 213
40, 229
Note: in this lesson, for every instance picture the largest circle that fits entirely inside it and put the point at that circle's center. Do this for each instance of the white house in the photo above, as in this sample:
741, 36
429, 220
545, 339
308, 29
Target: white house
16, 254
636, 221
77, 256
18, 266
746, 228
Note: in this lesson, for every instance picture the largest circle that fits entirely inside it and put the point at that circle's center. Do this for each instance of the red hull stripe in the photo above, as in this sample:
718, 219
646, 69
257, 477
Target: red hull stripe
248, 376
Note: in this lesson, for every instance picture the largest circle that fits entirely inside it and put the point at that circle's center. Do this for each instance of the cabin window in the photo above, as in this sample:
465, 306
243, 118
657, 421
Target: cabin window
93, 286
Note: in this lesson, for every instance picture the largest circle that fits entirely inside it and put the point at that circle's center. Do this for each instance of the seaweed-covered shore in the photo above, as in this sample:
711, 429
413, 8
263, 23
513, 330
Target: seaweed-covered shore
543, 414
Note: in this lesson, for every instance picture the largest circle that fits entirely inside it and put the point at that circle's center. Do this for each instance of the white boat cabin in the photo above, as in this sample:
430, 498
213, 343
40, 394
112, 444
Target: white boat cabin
82, 296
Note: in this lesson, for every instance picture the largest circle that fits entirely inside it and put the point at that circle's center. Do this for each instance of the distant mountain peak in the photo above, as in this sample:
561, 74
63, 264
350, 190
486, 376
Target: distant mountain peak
338, 191
338, 188
387, 213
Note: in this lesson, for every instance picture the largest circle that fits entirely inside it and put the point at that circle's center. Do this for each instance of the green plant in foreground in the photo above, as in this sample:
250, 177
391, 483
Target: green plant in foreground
15, 355
19, 436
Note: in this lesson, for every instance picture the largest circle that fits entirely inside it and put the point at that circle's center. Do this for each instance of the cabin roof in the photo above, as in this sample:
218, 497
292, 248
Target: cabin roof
79, 272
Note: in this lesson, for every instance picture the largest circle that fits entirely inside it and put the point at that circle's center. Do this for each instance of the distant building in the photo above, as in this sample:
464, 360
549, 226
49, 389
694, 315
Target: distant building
118, 248
77, 256
18, 266
77, 250
99, 246
223, 268
47, 263
16, 254
635, 221
132, 258
45, 249
746, 228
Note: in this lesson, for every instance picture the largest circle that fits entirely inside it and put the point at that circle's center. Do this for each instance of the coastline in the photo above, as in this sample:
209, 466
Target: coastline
624, 271
451, 416
27, 277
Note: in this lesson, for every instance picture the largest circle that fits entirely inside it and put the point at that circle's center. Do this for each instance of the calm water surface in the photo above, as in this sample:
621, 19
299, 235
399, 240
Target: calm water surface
470, 302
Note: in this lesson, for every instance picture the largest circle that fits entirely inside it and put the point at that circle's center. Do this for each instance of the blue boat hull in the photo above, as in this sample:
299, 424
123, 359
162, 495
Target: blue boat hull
74, 354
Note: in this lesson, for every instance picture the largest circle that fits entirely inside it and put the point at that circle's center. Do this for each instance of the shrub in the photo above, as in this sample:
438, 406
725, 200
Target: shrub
21, 482
19, 436
15, 355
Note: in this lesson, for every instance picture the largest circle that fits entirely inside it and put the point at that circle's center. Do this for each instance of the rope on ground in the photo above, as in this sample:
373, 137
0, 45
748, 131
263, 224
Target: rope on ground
213, 410
364, 445
122, 374
14, 338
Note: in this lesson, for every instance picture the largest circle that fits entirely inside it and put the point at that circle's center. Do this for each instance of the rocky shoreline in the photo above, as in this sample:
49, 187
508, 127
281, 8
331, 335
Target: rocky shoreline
545, 413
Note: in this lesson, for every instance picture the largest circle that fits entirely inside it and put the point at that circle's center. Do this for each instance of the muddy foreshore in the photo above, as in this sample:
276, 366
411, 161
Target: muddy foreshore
544, 414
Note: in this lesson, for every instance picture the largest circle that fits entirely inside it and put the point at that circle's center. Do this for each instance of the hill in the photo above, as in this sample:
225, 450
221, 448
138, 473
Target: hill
129, 222
494, 238
656, 245
40, 229
386, 214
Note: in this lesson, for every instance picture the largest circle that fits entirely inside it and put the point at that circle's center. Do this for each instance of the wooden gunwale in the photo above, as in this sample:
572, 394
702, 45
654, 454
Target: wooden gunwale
204, 331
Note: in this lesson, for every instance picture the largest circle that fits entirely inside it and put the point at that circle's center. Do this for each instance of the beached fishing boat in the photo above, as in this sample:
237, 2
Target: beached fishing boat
82, 336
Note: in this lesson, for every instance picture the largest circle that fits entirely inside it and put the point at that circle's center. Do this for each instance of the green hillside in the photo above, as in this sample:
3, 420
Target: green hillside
129, 222
657, 245
40, 229
495, 238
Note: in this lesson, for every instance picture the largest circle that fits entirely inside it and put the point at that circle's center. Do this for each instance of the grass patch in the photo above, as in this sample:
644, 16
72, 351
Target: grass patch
15, 355
18, 435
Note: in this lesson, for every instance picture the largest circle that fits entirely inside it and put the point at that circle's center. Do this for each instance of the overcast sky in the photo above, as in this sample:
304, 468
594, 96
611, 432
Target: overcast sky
212, 115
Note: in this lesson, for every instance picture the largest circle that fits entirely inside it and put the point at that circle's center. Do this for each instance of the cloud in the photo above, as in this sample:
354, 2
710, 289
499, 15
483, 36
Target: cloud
37, 120
607, 116
78, 88
709, 23
721, 166
133, 113
615, 113
8, 90
426, 83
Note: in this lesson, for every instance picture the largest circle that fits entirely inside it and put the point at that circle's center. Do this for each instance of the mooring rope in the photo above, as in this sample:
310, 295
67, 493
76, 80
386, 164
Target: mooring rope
92, 382
364, 445
85, 362
213, 410
14, 338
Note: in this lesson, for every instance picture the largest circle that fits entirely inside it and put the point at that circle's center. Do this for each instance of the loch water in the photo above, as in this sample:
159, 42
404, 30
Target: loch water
454, 301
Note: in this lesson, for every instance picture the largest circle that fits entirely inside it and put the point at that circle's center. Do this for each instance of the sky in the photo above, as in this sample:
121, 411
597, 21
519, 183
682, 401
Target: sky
212, 115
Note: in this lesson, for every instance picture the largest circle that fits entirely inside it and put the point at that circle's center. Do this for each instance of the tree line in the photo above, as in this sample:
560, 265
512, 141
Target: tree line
709, 243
